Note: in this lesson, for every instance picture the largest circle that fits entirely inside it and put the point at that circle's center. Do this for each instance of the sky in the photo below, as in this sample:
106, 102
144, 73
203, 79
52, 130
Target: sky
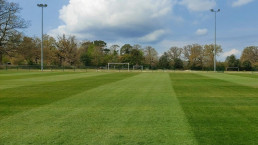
157, 23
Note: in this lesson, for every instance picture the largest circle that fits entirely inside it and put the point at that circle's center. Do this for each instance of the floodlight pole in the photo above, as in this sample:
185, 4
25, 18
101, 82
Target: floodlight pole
42, 6
215, 46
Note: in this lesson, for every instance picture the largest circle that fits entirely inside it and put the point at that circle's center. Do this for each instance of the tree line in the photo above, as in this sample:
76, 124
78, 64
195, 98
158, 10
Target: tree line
67, 51
17, 49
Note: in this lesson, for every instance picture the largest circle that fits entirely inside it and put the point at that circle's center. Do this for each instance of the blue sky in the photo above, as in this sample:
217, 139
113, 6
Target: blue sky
159, 23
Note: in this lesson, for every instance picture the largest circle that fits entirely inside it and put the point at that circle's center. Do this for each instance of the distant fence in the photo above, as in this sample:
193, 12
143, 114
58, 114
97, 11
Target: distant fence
48, 68
94, 68
57, 68
80, 68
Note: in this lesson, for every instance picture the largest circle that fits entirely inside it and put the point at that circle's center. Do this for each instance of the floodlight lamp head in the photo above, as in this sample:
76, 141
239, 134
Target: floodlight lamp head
218, 10
212, 10
42, 5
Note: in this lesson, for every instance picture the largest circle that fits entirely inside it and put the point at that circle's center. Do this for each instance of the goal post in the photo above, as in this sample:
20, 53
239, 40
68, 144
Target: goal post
128, 65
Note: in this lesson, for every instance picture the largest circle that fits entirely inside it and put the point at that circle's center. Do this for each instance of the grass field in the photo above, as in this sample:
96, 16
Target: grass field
128, 108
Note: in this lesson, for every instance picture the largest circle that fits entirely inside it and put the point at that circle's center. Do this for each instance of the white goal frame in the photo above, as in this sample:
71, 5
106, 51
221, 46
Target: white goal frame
120, 64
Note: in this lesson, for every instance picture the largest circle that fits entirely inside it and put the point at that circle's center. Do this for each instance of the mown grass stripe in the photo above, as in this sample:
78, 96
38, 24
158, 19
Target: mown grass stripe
138, 110
28, 97
220, 112
28, 75
43, 79
17, 73
249, 75
240, 80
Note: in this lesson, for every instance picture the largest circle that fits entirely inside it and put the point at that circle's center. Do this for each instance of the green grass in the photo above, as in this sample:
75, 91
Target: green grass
250, 75
128, 108
16, 100
219, 112
23, 75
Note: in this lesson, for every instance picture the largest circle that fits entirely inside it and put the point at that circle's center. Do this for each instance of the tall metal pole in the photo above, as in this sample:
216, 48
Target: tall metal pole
215, 42
215, 45
42, 60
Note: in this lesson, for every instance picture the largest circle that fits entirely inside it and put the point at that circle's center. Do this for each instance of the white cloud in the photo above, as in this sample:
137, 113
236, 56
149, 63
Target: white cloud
241, 2
232, 51
100, 19
198, 5
152, 36
201, 32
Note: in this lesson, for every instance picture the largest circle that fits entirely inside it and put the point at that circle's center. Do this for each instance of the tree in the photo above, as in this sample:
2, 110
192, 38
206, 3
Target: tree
208, 54
50, 50
100, 43
29, 51
194, 55
220, 66
164, 61
85, 58
250, 54
232, 61
126, 49
178, 63
126, 58
86, 53
11, 48
67, 50
175, 53
136, 57
137, 46
151, 56
98, 53
10, 21
247, 65
114, 49
106, 51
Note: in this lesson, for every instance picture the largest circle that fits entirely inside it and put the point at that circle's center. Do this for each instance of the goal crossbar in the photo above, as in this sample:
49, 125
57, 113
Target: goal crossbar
119, 64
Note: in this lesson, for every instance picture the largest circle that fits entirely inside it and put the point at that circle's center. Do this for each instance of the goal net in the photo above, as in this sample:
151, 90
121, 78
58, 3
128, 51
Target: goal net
138, 67
118, 66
